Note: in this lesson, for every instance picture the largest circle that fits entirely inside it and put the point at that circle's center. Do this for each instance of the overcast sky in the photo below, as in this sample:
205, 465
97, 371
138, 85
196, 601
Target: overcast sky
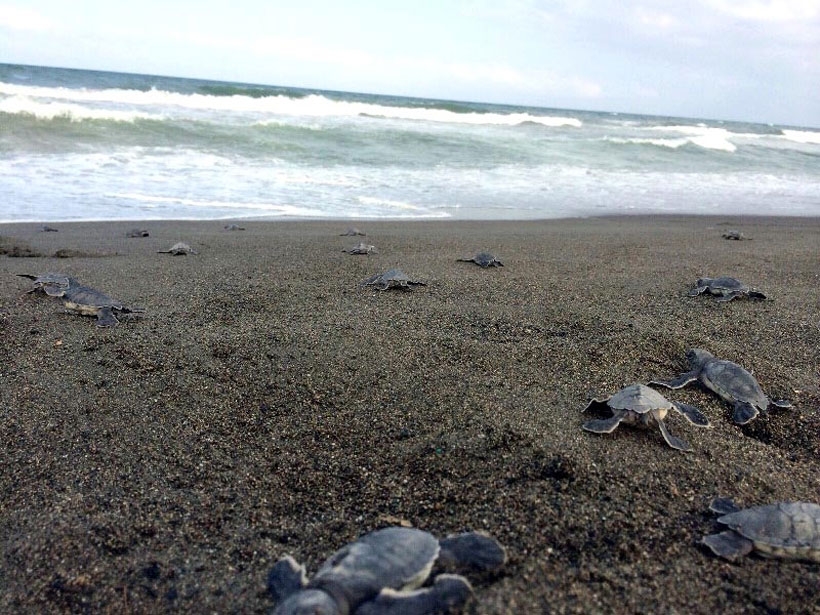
755, 60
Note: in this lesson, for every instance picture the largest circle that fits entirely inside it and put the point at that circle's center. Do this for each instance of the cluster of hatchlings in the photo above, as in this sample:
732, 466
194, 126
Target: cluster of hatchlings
389, 570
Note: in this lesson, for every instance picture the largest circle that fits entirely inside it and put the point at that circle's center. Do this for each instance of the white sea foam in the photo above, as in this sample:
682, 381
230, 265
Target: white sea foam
23, 105
262, 208
703, 136
401, 209
802, 136
670, 143
314, 105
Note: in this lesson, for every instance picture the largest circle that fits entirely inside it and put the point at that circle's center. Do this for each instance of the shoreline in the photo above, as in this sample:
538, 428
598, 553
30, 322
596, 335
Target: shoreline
352, 221
265, 404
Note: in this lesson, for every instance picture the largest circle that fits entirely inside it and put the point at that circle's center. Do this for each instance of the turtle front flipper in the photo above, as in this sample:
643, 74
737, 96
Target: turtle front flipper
448, 594
471, 551
671, 440
728, 545
604, 425
692, 414
106, 318
678, 381
744, 412
285, 578
697, 290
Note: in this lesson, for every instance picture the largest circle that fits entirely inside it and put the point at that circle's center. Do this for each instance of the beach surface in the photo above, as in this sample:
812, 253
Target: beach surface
265, 404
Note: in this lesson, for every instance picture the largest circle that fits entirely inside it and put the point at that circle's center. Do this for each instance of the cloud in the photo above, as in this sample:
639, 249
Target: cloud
771, 11
18, 18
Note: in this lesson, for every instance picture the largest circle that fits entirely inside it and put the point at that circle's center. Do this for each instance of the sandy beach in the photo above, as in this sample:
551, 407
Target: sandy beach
265, 404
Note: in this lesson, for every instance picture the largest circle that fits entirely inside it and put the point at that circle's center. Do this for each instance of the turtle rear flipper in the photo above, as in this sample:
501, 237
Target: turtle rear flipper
678, 381
782, 403
671, 440
728, 545
449, 593
723, 506
756, 294
285, 578
692, 414
728, 296
604, 425
471, 551
744, 412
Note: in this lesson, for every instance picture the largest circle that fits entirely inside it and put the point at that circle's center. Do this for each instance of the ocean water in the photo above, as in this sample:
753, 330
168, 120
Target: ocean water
85, 145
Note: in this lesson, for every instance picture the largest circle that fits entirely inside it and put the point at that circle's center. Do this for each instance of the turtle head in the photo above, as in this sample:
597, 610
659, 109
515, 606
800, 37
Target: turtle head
698, 357
703, 282
309, 602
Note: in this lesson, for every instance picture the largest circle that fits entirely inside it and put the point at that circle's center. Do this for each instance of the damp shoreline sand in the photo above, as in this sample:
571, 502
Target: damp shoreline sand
265, 404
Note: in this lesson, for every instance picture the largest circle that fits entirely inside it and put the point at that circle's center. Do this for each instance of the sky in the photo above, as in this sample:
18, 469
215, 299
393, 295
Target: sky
750, 60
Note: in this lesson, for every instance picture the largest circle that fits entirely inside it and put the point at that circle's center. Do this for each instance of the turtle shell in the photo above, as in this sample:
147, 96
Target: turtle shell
87, 300
725, 283
485, 259
786, 529
733, 383
638, 398
395, 557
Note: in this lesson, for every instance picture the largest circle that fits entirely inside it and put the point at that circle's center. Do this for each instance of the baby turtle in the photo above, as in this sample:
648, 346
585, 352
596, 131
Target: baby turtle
788, 530
724, 288
380, 572
730, 381
233, 227
362, 248
137, 232
80, 299
88, 301
734, 235
179, 249
394, 278
483, 259
352, 232
45, 228
52, 284
640, 404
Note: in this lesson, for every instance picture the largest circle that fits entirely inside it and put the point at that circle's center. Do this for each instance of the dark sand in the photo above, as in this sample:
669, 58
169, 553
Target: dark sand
267, 405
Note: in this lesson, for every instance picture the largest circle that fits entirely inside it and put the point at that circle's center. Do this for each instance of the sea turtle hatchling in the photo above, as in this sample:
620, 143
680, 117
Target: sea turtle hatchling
137, 232
724, 288
80, 299
730, 381
352, 232
45, 228
179, 249
640, 404
233, 227
734, 235
383, 572
787, 530
362, 248
394, 278
483, 259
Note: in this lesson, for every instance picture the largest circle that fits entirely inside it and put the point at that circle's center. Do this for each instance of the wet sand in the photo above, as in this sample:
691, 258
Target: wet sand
265, 404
